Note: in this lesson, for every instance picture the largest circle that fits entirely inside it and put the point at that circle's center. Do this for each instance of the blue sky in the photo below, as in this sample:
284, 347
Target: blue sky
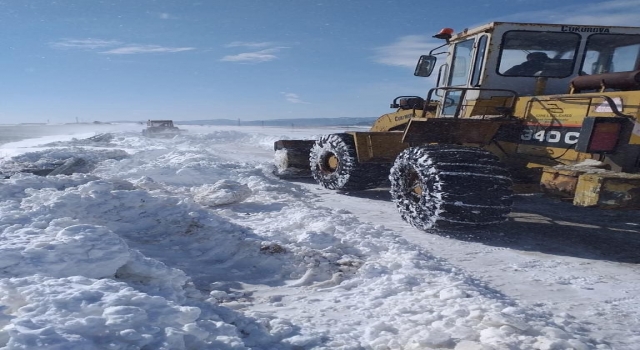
109, 60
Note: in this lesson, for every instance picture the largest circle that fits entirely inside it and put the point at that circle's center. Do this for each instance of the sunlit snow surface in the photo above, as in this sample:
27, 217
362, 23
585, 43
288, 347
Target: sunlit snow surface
192, 243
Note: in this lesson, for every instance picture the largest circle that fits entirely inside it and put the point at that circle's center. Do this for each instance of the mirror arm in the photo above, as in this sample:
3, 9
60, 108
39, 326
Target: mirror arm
431, 52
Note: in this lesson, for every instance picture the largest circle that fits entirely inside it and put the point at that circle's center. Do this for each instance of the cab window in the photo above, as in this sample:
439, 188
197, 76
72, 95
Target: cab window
611, 53
533, 53
477, 67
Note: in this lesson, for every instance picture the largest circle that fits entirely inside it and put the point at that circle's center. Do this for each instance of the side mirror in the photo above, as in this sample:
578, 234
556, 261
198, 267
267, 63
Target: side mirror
425, 65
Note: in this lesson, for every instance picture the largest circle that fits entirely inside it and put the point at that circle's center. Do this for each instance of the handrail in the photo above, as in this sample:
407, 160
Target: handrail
464, 93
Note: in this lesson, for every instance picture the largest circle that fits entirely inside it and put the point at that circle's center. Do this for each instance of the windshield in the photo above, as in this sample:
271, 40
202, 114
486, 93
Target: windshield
530, 53
611, 53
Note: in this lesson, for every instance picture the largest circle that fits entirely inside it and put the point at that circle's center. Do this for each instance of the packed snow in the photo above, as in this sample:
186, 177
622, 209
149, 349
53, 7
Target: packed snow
192, 243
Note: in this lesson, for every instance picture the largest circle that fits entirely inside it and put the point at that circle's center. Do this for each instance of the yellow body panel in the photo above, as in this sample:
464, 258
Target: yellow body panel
486, 107
548, 111
608, 190
552, 155
451, 131
590, 187
563, 116
378, 147
398, 119
391, 121
570, 110
560, 182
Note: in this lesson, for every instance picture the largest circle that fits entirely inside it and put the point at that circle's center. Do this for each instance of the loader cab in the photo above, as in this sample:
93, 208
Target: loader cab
486, 67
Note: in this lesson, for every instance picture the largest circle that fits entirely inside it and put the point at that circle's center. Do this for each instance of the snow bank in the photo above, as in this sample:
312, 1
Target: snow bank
178, 245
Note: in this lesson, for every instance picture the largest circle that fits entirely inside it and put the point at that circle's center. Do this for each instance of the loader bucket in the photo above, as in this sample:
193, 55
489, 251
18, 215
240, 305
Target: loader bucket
292, 158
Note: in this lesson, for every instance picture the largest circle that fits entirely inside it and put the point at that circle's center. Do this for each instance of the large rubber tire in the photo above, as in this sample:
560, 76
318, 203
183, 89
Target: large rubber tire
445, 186
334, 165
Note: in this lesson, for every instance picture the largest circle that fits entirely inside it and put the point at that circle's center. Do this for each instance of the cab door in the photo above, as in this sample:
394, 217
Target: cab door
465, 71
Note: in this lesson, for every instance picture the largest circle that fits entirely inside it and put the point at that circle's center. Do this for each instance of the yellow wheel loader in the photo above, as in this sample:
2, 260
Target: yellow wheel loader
515, 104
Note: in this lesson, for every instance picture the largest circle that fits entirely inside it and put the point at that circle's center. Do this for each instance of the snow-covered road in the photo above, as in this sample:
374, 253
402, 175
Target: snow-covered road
551, 255
192, 243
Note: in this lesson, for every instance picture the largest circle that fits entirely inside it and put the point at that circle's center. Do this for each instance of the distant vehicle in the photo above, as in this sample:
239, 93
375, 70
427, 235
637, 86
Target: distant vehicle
160, 128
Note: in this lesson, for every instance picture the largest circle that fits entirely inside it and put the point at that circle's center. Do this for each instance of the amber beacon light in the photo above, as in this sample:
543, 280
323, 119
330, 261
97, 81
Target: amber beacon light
444, 33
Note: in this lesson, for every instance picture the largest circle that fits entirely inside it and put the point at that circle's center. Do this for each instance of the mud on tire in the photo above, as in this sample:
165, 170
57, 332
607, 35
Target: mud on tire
439, 186
334, 165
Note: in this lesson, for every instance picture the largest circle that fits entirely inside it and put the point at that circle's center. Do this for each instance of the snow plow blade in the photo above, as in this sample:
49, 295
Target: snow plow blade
292, 158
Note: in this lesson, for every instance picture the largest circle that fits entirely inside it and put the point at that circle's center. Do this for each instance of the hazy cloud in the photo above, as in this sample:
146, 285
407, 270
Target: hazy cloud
138, 49
86, 44
114, 47
292, 98
406, 51
255, 56
250, 44
252, 53
165, 15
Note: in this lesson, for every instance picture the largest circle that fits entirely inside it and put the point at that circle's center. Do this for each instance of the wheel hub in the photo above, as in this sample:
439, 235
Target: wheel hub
330, 163
414, 185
